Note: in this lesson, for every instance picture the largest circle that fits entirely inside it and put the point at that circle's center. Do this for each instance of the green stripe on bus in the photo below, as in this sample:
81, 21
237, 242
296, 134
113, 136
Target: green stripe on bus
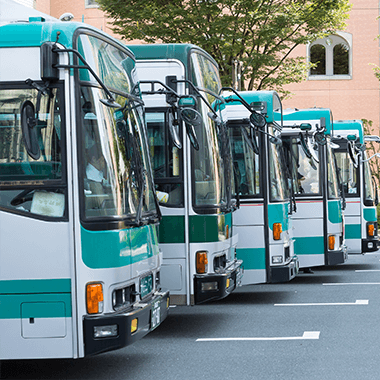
311, 245
118, 248
352, 231
369, 214
209, 228
172, 229
35, 306
278, 213
335, 211
253, 258
59, 285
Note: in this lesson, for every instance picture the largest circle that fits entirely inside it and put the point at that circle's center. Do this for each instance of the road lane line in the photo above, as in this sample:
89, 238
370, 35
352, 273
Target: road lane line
367, 270
351, 283
307, 335
357, 302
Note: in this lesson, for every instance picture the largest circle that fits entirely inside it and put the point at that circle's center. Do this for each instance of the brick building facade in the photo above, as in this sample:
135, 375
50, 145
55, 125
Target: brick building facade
353, 95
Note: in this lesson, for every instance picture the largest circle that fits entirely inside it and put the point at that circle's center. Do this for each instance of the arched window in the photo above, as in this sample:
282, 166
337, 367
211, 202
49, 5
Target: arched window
341, 59
318, 56
332, 56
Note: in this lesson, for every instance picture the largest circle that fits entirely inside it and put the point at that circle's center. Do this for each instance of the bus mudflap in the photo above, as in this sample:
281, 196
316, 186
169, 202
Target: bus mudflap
215, 286
113, 331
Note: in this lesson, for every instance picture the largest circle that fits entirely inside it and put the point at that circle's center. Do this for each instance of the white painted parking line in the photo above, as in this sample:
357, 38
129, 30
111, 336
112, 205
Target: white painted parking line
367, 270
351, 283
307, 335
357, 302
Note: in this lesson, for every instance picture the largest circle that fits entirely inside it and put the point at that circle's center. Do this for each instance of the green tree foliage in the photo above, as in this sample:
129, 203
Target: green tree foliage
259, 33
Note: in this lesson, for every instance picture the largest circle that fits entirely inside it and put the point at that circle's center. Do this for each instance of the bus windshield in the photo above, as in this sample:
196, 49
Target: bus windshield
279, 191
304, 170
332, 174
348, 174
116, 173
32, 183
210, 169
245, 163
166, 158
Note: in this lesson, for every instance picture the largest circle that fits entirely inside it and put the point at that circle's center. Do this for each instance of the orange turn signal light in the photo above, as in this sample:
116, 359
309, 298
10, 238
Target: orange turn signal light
331, 242
202, 262
277, 229
371, 230
94, 298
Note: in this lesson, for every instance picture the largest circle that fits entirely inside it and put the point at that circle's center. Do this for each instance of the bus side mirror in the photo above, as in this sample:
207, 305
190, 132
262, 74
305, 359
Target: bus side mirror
49, 59
192, 118
257, 119
29, 129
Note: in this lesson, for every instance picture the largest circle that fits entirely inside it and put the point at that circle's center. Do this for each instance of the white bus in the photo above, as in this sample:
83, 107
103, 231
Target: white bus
318, 220
79, 255
254, 121
192, 169
360, 215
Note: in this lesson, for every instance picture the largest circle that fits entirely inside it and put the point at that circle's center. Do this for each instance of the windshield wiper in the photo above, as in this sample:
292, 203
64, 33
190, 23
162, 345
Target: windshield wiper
22, 197
141, 199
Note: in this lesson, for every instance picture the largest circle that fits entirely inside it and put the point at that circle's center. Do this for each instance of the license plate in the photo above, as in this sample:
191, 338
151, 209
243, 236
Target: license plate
156, 314
146, 285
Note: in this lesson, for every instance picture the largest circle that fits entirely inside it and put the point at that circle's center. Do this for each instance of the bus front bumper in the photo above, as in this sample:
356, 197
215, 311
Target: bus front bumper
215, 286
370, 245
337, 257
285, 273
98, 329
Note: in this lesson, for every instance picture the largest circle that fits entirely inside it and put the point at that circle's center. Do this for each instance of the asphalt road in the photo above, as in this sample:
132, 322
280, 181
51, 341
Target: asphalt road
319, 326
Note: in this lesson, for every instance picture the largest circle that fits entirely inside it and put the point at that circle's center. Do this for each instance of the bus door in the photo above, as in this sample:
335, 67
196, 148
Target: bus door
308, 222
249, 218
350, 178
36, 242
369, 228
169, 171
335, 249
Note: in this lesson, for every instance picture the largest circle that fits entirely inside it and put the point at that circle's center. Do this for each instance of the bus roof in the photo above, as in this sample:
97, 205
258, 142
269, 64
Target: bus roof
34, 30
16, 12
349, 127
310, 114
250, 97
167, 51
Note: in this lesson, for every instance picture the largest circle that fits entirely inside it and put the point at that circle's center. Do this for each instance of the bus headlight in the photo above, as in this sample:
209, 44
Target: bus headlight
105, 331
277, 259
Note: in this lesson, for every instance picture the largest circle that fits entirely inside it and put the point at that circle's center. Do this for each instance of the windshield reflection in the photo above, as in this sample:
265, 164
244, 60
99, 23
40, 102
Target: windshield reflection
116, 175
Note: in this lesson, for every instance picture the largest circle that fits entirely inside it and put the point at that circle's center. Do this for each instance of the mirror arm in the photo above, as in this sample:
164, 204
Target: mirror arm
266, 133
169, 91
245, 104
368, 159
86, 66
